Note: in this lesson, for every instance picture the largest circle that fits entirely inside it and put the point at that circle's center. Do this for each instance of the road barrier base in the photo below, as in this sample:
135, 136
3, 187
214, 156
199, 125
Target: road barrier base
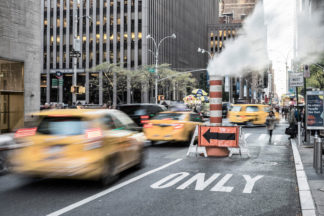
217, 152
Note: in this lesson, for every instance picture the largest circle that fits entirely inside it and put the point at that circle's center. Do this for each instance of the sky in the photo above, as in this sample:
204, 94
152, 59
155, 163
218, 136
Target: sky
279, 18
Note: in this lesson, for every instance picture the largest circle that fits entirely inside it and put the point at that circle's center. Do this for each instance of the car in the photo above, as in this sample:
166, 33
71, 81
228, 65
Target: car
141, 113
78, 143
205, 109
172, 126
249, 114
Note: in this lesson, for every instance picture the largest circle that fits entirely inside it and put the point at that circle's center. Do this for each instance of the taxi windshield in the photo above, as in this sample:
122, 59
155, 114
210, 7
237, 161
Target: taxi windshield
62, 126
236, 108
252, 109
170, 116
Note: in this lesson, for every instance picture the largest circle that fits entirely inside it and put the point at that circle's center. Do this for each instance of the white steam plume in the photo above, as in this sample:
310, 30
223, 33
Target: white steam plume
310, 37
247, 51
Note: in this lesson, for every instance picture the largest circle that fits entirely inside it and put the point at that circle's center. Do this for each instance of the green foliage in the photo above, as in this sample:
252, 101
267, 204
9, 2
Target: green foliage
142, 76
317, 76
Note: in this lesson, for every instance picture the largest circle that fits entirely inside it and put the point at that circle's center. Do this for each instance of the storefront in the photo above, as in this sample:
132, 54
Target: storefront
11, 95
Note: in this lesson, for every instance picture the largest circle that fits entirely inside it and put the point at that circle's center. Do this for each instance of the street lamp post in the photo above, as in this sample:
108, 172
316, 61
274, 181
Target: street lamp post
156, 55
76, 49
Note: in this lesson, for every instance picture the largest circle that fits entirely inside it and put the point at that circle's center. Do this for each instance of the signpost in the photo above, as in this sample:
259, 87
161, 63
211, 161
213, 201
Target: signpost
296, 80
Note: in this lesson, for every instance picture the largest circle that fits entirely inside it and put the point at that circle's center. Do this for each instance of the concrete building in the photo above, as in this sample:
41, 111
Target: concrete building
20, 61
116, 33
235, 11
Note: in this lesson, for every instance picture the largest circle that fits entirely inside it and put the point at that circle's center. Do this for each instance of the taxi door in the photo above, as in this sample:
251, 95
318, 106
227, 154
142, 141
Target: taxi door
115, 142
194, 120
130, 144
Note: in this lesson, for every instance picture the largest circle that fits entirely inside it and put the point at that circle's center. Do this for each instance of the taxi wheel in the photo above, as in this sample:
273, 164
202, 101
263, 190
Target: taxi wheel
153, 143
140, 164
249, 124
109, 172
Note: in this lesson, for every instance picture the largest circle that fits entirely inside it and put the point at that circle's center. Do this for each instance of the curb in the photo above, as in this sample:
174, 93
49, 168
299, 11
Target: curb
305, 195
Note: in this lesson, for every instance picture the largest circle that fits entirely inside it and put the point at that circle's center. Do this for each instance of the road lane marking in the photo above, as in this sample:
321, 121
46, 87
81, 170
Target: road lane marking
250, 183
262, 137
160, 184
220, 185
109, 190
201, 184
199, 178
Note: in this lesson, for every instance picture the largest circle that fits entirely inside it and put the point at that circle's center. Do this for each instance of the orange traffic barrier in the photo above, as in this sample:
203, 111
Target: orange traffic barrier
218, 136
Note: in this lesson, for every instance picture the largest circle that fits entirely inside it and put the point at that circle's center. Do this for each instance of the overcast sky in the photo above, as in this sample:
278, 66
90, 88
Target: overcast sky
279, 17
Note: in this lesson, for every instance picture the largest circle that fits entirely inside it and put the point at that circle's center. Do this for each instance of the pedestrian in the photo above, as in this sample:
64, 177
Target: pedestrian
292, 121
270, 123
283, 112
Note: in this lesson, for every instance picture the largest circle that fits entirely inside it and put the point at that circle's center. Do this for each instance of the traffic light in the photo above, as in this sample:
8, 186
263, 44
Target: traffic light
306, 71
78, 89
160, 97
81, 90
74, 89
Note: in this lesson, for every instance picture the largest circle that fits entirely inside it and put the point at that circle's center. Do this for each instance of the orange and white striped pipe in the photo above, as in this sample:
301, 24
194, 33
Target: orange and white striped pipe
215, 100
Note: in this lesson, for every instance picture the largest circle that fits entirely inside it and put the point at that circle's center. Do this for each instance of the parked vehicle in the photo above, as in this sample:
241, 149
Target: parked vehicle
83, 144
141, 113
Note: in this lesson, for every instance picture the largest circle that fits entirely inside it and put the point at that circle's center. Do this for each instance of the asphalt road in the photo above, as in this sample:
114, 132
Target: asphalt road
173, 184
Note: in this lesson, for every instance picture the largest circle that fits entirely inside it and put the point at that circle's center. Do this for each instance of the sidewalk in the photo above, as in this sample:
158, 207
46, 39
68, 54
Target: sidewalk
315, 181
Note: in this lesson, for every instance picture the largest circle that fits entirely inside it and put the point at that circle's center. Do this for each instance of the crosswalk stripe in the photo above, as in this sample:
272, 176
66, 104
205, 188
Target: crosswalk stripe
262, 137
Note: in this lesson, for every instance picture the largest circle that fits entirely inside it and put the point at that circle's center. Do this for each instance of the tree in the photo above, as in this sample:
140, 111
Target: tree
316, 80
110, 72
168, 81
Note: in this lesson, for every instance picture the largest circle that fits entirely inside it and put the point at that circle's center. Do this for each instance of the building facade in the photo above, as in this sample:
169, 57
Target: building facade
235, 11
20, 61
115, 31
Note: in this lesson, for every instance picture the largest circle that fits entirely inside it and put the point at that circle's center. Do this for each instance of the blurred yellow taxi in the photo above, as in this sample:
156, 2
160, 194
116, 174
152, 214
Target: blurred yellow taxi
85, 144
172, 126
249, 114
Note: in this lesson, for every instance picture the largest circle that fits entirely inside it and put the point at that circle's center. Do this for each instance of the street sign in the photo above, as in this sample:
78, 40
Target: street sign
215, 136
60, 81
227, 84
54, 83
296, 79
77, 44
314, 110
58, 74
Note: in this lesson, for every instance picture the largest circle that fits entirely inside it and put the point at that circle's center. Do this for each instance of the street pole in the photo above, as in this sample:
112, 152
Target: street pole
156, 54
75, 22
156, 75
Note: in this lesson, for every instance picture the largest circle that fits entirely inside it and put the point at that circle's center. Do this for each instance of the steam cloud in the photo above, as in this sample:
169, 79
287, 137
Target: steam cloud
248, 52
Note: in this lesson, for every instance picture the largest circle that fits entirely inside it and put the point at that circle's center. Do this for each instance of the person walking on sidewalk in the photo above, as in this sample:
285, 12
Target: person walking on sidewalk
270, 123
292, 122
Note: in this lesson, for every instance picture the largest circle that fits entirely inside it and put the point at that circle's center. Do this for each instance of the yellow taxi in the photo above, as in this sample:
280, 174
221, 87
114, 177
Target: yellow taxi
78, 143
249, 114
172, 126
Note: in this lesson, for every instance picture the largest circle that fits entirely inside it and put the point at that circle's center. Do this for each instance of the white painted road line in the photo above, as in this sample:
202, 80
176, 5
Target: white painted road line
262, 137
109, 190
305, 195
